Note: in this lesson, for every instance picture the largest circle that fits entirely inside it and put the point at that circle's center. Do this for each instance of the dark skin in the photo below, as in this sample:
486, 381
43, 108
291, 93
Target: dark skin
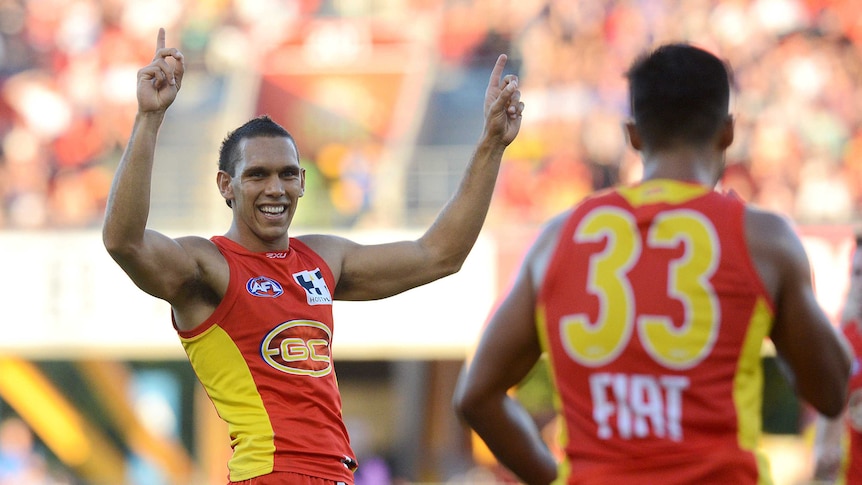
192, 275
509, 348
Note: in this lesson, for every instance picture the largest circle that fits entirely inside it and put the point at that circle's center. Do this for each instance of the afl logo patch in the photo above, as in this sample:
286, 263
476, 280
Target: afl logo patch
298, 347
264, 287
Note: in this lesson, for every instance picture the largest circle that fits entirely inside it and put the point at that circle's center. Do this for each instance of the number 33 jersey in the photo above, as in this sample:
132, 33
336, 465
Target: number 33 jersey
653, 316
264, 358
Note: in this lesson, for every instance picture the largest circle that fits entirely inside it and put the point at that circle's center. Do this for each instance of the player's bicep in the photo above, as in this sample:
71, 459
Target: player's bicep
796, 307
802, 333
510, 345
370, 272
160, 265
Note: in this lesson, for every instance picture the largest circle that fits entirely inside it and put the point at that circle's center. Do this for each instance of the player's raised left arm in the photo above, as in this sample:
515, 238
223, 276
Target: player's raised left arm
377, 271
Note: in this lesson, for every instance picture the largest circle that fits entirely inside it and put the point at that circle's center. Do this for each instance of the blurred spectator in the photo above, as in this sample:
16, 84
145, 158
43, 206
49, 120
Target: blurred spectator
65, 105
20, 463
798, 109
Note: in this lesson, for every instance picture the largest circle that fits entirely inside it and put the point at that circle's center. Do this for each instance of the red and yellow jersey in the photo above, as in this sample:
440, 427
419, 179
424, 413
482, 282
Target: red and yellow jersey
264, 359
851, 467
653, 316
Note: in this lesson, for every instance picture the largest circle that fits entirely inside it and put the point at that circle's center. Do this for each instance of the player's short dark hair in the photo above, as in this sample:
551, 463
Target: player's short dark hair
262, 126
678, 94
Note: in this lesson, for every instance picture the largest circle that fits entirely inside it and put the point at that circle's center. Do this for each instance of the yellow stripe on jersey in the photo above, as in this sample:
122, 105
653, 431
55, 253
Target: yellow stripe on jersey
223, 372
748, 385
661, 190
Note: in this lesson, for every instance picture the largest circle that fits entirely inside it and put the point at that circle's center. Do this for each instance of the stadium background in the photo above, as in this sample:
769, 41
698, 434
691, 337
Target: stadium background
384, 98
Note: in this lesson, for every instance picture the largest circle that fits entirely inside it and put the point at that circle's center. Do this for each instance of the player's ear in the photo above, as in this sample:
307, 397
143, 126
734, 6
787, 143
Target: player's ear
633, 137
726, 136
302, 179
223, 180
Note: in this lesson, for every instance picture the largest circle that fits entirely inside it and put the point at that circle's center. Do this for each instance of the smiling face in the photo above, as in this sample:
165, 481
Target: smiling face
263, 192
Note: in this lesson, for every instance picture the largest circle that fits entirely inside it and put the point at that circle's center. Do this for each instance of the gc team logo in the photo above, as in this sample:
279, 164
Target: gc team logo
264, 287
298, 347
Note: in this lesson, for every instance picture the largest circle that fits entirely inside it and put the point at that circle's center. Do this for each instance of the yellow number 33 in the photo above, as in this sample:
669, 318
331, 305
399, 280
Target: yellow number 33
595, 343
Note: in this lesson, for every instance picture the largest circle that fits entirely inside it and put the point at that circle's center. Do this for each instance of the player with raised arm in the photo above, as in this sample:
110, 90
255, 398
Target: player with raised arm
253, 308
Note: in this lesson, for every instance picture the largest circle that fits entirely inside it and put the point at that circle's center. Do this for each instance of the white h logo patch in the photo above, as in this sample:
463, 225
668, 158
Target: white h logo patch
315, 287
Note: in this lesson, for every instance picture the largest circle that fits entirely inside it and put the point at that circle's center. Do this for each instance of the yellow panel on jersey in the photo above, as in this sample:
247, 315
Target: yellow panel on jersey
749, 377
264, 358
232, 389
662, 190
748, 383
563, 468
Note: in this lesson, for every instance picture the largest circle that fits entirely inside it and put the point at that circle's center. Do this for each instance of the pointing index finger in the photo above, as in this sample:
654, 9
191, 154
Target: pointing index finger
497, 72
160, 40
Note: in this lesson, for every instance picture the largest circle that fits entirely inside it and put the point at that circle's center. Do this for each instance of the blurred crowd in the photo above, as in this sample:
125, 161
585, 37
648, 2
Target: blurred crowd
67, 91
797, 67
22, 460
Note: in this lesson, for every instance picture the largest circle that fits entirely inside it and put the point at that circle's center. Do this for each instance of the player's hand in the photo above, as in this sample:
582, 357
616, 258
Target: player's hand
159, 82
827, 464
503, 106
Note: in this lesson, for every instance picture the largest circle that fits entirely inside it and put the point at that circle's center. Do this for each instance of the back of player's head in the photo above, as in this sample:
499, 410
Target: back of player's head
678, 94
262, 126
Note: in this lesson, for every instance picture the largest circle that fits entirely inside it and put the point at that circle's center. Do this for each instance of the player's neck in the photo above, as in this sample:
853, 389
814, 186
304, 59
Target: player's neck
688, 165
254, 243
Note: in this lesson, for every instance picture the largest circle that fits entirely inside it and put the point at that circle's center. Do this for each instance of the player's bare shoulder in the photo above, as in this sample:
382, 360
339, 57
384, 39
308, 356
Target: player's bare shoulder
329, 247
769, 233
774, 246
211, 270
539, 256
200, 249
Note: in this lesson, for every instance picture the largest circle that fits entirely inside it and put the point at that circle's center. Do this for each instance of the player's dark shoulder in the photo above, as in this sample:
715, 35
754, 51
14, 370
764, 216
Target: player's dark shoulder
769, 229
775, 248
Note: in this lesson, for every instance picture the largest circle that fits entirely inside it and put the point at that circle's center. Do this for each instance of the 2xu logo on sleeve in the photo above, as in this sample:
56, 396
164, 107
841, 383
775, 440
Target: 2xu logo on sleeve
297, 347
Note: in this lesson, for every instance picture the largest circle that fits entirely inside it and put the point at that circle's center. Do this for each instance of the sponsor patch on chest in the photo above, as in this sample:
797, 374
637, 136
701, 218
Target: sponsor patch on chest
316, 291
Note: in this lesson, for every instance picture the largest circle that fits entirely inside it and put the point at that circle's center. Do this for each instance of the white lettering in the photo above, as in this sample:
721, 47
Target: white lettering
643, 405
603, 409
261, 287
624, 414
673, 386
646, 403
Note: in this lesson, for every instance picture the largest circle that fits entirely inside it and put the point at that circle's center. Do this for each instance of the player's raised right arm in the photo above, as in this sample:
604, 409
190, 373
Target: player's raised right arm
149, 258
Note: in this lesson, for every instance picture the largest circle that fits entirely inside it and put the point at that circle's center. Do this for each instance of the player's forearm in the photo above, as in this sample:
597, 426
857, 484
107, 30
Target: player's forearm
457, 227
129, 199
823, 381
512, 436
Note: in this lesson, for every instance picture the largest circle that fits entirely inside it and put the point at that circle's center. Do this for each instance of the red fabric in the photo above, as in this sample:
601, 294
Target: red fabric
853, 469
632, 412
277, 312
